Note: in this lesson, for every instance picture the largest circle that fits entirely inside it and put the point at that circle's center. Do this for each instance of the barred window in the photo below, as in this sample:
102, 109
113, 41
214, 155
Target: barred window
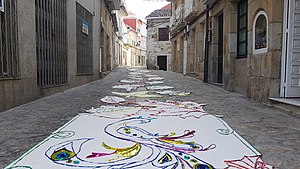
84, 41
51, 39
9, 59
242, 29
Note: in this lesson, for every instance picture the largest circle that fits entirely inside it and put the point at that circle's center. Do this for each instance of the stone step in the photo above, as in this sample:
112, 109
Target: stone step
288, 105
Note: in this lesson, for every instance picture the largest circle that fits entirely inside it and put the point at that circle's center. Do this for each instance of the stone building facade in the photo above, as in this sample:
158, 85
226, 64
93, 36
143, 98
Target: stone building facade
42, 55
120, 49
247, 46
158, 39
135, 41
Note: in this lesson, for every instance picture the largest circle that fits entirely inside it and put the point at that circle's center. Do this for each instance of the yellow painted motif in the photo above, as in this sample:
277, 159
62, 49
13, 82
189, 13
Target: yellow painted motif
165, 158
125, 152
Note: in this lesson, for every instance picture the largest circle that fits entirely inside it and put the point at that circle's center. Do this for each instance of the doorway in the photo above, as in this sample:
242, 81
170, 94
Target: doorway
162, 62
220, 50
290, 77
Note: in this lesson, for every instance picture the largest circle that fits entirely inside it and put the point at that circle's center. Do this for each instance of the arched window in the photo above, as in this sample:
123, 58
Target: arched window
260, 33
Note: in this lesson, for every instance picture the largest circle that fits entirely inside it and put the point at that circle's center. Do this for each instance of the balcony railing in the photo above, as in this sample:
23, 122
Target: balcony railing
179, 13
192, 8
177, 17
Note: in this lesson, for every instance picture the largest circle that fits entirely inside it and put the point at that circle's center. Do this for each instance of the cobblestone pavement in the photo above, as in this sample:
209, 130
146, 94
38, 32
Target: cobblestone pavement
275, 134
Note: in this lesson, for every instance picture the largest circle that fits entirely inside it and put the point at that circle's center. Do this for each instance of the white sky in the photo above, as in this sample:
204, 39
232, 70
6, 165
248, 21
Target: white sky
142, 8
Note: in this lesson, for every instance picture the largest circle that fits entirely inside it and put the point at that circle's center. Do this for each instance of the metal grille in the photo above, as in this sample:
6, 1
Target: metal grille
84, 38
51, 31
9, 58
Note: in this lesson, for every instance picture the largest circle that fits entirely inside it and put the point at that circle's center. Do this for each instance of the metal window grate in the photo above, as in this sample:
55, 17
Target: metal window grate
84, 36
9, 58
51, 30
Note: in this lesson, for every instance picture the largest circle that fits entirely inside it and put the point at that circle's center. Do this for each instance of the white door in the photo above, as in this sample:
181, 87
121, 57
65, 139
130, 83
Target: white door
291, 50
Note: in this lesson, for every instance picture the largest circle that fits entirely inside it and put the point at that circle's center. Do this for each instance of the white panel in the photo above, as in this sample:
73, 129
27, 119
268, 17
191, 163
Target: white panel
295, 82
296, 43
297, 30
295, 69
297, 17
296, 57
297, 4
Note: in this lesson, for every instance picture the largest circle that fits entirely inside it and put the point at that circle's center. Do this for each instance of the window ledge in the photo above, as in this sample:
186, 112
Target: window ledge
260, 51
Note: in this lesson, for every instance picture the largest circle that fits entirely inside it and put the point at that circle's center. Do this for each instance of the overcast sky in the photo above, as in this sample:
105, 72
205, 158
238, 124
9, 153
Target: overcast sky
142, 8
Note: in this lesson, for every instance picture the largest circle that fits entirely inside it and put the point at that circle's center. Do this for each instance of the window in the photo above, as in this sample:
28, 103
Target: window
51, 46
9, 58
260, 33
84, 36
242, 29
163, 34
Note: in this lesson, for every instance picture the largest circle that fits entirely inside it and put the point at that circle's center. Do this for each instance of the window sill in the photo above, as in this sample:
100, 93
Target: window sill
9, 78
260, 51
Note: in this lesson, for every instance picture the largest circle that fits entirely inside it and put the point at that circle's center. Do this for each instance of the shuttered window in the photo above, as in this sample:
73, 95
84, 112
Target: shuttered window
163, 34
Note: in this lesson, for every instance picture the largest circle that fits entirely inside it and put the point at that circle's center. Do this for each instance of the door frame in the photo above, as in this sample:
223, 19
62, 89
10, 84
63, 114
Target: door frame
220, 55
167, 61
285, 34
286, 42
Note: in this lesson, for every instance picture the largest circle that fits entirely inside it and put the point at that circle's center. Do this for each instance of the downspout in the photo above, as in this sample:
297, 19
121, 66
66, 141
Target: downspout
185, 52
100, 36
206, 50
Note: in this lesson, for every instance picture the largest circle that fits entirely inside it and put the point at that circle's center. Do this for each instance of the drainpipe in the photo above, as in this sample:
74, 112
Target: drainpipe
185, 52
100, 40
206, 57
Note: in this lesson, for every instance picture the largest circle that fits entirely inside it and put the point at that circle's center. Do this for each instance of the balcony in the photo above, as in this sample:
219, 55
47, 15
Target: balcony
113, 4
192, 9
177, 20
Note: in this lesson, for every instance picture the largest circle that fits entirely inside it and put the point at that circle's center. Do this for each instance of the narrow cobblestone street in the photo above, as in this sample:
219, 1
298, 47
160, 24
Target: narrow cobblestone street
273, 133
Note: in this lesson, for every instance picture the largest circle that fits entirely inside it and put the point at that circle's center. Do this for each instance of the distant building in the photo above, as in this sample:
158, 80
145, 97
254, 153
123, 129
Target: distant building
135, 40
158, 39
121, 57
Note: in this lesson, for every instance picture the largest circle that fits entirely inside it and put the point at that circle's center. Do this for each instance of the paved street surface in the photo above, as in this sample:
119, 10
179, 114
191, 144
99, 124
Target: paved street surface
275, 134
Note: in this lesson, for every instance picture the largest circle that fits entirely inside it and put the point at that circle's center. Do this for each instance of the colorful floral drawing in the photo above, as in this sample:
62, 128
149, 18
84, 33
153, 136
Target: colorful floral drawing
155, 82
141, 94
148, 134
128, 87
114, 112
130, 81
155, 78
145, 71
159, 87
248, 162
173, 93
112, 99
149, 75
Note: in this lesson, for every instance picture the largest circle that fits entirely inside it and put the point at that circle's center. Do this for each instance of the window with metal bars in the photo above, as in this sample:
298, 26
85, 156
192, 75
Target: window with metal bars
84, 36
9, 58
51, 36
242, 38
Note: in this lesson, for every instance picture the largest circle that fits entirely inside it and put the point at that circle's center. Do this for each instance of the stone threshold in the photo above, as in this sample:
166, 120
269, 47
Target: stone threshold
289, 105
290, 101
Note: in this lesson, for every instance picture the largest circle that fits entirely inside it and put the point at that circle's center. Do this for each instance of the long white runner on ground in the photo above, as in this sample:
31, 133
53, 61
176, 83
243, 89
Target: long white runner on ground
154, 134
